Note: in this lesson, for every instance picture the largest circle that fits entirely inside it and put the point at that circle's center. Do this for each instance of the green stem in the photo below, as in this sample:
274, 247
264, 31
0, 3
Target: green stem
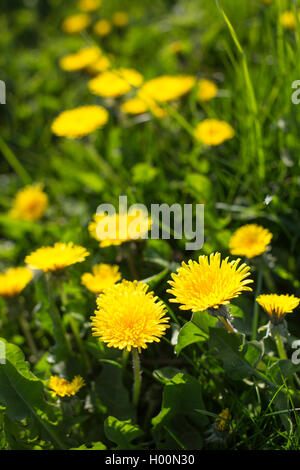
76, 333
255, 308
279, 345
137, 381
59, 333
27, 334
14, 162
125, 356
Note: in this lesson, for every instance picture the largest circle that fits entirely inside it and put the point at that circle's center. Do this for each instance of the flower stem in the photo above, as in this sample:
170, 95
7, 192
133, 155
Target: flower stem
59, 333
137, 376
279, 345
125, 356
227, 325
255, 308
27, 333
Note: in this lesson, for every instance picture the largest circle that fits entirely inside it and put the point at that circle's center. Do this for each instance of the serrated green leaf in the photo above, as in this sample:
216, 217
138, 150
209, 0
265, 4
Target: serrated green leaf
121, 433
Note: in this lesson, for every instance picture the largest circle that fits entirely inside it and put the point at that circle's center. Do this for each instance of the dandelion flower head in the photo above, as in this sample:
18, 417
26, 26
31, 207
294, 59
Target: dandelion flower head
277, 306
14, 280
30, 203
213, 132
209, 283
129, 317
80, 121
59, 256
102, 277
250, 240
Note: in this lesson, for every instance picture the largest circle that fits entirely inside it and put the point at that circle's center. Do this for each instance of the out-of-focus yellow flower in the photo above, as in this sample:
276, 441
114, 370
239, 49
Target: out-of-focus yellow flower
59, 256
213, 132
89, 5
102, 28
120, 19
64, 388
81, 59
115, 82
277, 306
266, 2
289, 20
223, 424
176, 47
13, 281
129, 317
104, 276
119, 228
76, 23
250, 240
206, 90
101, 65
167, 87
138, 105
80, 121
208, 283
30, 203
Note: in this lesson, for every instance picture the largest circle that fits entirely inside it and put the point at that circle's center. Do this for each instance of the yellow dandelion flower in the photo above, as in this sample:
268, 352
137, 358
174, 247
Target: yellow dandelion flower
30, 203
14, 280
119, 228
104, 276
102, 28
101, 65
115, 82
59, 256
89, 5
80, 121
277, 306
81, 59
213, 132
250, 240
206, 90
138, 105
120, 19
222, 424
63, 387
76, 23
208, 283
288, 20
167, 87
129, 317
176, 47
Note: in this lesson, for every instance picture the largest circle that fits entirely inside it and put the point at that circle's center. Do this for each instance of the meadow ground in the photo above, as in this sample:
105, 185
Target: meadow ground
161, 101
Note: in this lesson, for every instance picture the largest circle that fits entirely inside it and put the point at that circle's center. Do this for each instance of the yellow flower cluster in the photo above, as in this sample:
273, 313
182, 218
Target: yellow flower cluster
64, 388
